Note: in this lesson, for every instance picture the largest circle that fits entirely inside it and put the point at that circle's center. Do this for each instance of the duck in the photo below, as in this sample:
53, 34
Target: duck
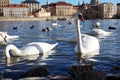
85, 43
47, 29
111, 28
32, 27
15, 28
32, 48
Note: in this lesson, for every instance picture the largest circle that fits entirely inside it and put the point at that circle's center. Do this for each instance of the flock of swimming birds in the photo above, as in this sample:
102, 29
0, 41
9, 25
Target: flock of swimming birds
86, 43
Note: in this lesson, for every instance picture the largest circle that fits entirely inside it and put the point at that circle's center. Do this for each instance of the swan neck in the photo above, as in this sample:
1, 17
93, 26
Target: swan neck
79, 40
14, 51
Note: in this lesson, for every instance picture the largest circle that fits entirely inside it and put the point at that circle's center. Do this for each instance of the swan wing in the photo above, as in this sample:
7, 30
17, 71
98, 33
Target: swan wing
90, 43
36, 48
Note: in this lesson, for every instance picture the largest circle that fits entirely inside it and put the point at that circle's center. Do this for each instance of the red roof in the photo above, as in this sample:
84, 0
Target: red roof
63, 3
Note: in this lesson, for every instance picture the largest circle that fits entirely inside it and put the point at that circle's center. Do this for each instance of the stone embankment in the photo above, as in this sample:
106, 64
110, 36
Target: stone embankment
33, 18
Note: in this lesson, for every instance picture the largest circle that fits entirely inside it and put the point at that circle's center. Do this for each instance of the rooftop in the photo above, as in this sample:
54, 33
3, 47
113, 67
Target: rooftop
63, 3
30, 1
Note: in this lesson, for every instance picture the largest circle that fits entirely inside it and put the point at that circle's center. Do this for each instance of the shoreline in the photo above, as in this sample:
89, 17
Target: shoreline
36, 18
32, 18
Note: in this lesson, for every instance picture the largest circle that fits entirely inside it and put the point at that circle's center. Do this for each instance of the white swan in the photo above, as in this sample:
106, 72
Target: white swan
98, 32
29, 49
4, 36
55, 24
85, 43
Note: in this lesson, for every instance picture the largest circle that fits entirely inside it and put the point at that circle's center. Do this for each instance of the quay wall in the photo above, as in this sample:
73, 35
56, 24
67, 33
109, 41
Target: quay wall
32, 18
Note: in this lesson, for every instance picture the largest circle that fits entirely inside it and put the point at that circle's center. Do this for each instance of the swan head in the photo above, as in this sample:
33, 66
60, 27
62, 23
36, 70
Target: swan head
3, 35
79, 16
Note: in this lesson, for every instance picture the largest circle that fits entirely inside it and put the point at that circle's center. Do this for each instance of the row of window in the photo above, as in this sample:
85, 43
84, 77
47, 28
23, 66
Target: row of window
33, 4
16, 9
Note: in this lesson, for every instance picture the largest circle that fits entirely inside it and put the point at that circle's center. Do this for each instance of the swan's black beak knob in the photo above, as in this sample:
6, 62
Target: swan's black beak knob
81, 17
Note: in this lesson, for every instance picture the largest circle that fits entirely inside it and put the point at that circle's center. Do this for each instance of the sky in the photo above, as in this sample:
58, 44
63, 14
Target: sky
74, 2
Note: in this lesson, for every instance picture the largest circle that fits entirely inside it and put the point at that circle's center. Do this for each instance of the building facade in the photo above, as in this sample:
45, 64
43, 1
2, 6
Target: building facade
118, 9
61, 9
95, 2
42, 13
34, 5
108, 10
64, 9
2, 4
16, 10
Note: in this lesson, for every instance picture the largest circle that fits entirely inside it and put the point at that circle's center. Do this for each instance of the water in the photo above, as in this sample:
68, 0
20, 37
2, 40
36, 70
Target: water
59, 60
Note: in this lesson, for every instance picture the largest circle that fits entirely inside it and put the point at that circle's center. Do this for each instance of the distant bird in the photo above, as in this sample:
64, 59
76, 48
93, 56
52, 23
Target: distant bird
44, 30
69, 22
29, 49
32, 27
15, 28
47, 29
97, 24
110, 27
55, 24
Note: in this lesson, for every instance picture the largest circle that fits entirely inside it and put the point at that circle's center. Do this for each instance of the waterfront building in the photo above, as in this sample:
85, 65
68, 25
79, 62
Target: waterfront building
33, 4
64, 9
42, 13
16, 10
118, 9
51, 7
61, 8
2, 4
108, 10
83, 7
95, 2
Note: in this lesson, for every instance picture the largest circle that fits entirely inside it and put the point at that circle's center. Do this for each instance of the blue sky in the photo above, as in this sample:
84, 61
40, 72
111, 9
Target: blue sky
69, 1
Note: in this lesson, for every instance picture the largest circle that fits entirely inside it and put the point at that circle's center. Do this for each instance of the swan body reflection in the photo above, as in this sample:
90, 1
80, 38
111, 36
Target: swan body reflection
14, 60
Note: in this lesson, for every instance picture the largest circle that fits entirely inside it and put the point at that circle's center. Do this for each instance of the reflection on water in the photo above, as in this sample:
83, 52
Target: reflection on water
63, 57
13, 60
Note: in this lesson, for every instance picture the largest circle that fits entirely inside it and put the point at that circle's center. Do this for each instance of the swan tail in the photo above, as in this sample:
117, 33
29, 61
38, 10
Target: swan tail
13, 37
54, 45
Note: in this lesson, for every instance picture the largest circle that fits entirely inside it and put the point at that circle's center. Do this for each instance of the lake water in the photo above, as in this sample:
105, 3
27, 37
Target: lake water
59, 60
